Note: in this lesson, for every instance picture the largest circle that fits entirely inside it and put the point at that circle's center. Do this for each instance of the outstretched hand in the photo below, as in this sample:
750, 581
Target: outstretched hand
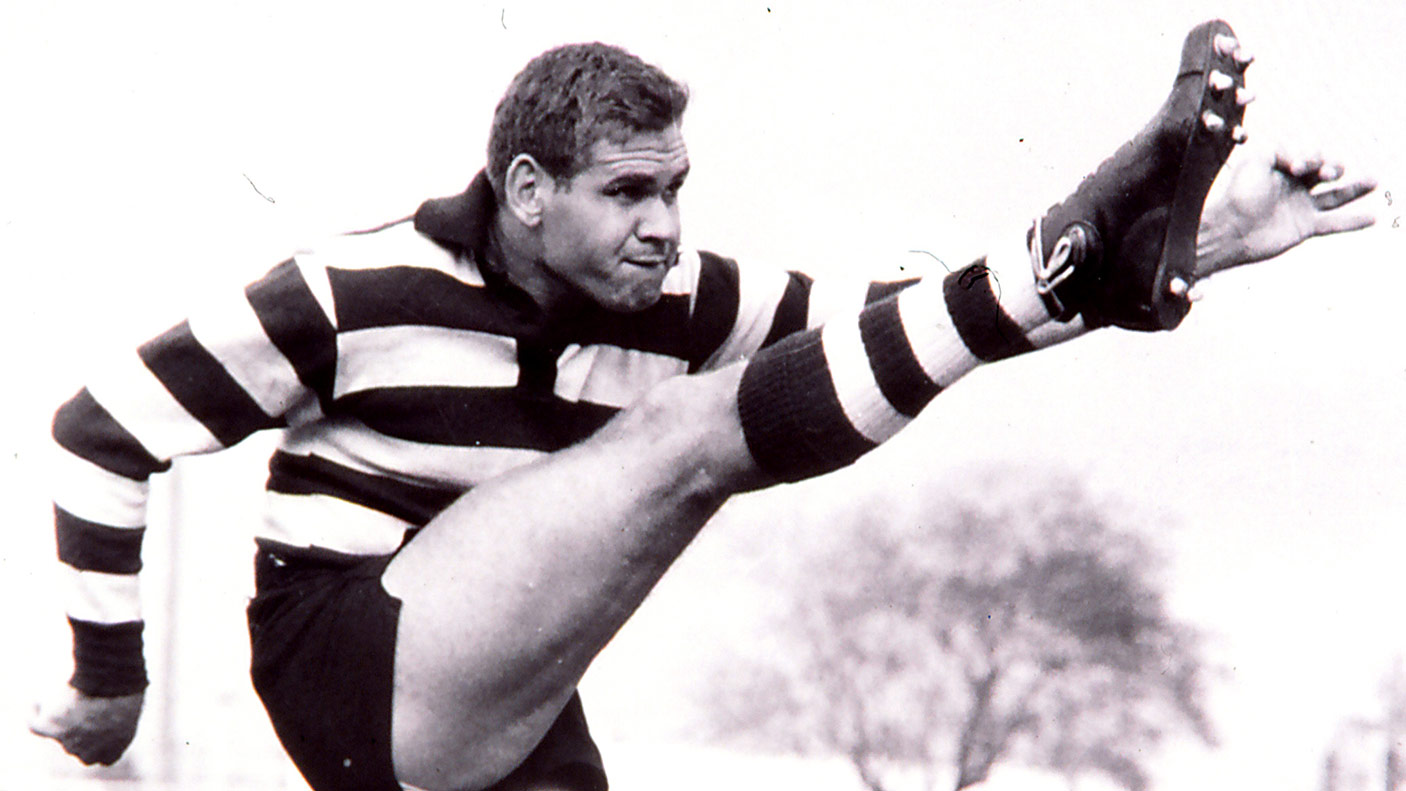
94, 730
1272, 204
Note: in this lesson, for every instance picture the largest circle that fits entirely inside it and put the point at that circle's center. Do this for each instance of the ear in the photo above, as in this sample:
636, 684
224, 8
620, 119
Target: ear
526, 187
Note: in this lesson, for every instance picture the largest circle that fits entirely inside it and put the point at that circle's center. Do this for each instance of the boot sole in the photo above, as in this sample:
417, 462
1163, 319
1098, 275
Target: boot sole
1205, 150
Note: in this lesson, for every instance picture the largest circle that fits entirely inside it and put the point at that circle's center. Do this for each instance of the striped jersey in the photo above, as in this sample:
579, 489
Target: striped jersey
400, 373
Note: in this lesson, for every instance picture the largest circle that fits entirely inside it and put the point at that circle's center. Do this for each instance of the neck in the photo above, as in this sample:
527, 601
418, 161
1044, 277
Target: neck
515, 255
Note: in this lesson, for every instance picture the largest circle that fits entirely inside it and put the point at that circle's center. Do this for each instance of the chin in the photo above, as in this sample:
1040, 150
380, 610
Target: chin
635, 304
632, 301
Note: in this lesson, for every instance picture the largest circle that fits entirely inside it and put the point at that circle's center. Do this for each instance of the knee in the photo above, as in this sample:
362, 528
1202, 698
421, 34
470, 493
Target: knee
434, 752
690, 424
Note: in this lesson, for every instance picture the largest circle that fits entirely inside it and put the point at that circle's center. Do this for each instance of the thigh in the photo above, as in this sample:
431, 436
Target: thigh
566, 759
511, 592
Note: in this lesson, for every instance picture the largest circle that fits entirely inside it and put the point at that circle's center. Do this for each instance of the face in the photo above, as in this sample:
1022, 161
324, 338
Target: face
612, 231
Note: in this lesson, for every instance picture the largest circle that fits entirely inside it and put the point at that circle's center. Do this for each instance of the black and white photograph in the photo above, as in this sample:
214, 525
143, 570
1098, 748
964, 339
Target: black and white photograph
548, 396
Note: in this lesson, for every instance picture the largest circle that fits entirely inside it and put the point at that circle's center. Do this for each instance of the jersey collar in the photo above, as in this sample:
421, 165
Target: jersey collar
462, 220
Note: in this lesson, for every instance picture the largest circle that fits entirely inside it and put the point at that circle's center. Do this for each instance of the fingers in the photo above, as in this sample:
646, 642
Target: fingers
106, 756
1329, 202
1303, 167
1341, 222
81, 748
41, 724
51, 719
1314, 169
52, 724
1329, 199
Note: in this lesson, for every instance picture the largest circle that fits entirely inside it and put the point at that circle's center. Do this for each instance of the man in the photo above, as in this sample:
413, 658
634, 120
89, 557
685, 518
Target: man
505, 417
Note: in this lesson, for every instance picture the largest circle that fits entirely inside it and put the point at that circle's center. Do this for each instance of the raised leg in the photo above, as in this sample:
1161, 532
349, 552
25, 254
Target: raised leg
511, 592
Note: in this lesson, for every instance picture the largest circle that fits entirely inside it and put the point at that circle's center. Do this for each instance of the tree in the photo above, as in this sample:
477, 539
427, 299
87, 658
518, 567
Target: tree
996, 623
1393, 690
1366, 751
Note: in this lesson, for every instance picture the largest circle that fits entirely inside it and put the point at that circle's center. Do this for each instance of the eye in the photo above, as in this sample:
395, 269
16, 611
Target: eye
627, 193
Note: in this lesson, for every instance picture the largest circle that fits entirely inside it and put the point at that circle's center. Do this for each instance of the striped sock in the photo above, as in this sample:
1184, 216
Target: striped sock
819, 399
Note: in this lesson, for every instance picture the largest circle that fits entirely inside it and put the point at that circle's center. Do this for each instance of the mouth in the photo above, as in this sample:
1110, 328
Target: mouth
652, 261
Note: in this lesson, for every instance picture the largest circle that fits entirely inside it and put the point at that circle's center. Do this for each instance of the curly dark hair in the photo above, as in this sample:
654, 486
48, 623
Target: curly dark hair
569, 97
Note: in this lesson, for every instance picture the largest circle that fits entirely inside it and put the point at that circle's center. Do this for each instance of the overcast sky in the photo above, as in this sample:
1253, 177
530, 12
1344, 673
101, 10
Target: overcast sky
156, 149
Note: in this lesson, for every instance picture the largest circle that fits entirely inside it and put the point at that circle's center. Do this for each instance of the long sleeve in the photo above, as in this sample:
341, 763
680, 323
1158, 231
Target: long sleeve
233, 368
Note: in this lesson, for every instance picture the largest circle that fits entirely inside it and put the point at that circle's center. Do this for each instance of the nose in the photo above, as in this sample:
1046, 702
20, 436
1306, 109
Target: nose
659, 221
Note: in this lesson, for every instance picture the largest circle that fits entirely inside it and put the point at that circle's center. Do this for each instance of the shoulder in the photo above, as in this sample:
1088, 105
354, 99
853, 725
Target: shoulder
371, 267
395, 244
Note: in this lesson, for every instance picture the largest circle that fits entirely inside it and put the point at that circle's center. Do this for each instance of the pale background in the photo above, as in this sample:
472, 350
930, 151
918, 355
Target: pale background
151, 150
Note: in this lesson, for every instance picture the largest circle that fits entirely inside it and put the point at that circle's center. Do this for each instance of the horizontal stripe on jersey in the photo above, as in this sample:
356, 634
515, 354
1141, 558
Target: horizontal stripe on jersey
230, 329
611, 376
297, 326
134, 397
417, 356
352, 444
202, 386
715, 307
760, 294
410, 502
85, 428
397, 296
663, 328
90, 546
90, 492
500, 417
97, 597
400, 295
792, 314
833, 298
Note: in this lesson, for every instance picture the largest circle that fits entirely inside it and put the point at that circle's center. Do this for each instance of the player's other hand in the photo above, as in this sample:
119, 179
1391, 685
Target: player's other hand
94, 730
1272, 203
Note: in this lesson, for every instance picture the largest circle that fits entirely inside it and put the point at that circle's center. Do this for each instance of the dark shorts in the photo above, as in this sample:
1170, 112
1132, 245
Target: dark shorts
323, 634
